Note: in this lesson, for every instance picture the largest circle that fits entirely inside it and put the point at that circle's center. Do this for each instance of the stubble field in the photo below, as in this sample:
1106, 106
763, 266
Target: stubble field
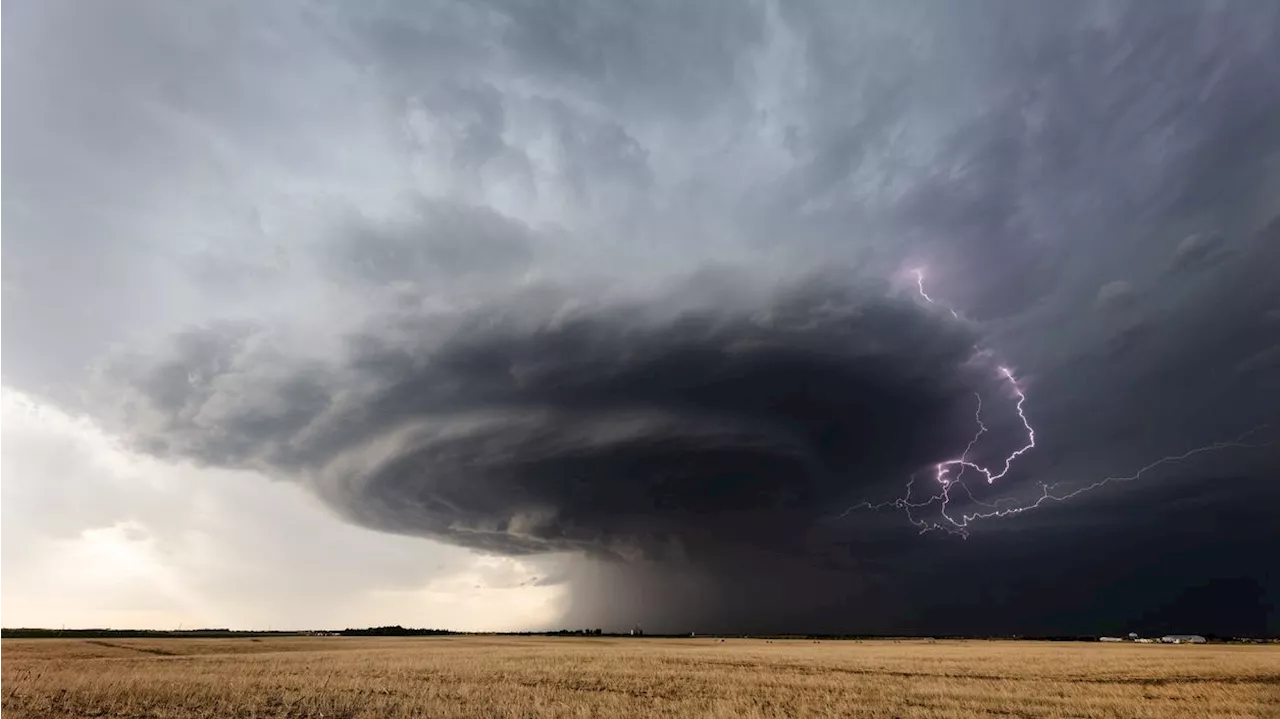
608, 677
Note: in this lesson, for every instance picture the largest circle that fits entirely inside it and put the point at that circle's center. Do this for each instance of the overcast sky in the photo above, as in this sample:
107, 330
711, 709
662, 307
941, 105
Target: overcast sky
498, 315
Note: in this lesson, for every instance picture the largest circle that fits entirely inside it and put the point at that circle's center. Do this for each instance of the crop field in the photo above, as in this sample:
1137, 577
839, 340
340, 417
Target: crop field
612, 677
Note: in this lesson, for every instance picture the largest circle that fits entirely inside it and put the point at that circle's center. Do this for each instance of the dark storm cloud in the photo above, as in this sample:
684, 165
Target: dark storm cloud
656, 430
1091, 186
1263, 361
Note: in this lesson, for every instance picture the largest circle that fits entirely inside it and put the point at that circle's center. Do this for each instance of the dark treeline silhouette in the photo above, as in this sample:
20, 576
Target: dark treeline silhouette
399, 631
395, 631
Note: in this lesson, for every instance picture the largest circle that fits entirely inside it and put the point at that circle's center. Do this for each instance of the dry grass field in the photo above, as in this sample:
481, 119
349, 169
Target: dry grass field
555, 677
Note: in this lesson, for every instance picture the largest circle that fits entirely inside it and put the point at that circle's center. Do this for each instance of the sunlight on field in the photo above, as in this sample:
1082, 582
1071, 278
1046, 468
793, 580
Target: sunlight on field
608, 677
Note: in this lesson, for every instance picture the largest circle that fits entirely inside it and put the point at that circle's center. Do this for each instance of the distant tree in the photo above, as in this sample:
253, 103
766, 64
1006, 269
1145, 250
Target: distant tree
394, 631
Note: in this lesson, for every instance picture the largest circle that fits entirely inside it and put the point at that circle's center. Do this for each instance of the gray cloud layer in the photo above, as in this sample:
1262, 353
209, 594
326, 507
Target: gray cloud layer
533, 277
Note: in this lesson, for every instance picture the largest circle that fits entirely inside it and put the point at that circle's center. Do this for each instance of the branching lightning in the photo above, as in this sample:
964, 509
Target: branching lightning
960, 523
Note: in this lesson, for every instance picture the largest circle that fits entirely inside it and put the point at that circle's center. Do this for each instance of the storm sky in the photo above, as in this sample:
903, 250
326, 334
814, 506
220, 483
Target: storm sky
517, 315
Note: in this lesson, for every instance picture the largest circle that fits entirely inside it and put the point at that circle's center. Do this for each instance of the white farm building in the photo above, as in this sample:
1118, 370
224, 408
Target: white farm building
1182, 639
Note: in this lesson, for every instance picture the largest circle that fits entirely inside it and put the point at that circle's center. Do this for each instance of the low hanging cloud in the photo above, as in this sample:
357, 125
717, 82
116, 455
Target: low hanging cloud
622, 428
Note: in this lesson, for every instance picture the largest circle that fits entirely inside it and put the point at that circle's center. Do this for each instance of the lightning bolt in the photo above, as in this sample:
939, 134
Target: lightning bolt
945, 482
919, 273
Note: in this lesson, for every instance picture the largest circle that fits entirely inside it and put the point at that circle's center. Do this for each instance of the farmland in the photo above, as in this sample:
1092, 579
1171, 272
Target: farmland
479, 676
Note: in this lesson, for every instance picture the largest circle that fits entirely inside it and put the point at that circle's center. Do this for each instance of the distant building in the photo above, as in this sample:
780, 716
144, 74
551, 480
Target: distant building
1182, 639
1145, 640
1110, 639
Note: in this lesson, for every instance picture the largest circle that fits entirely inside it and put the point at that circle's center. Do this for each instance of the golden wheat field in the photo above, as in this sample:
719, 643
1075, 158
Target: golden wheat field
612, 677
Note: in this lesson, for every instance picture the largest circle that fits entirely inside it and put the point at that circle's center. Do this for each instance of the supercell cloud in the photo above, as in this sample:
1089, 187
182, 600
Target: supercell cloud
646, 428
633, 284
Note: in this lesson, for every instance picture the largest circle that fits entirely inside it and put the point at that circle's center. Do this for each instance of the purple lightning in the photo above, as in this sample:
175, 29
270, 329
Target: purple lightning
943, 474
944, 468
919, 273
993, 510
